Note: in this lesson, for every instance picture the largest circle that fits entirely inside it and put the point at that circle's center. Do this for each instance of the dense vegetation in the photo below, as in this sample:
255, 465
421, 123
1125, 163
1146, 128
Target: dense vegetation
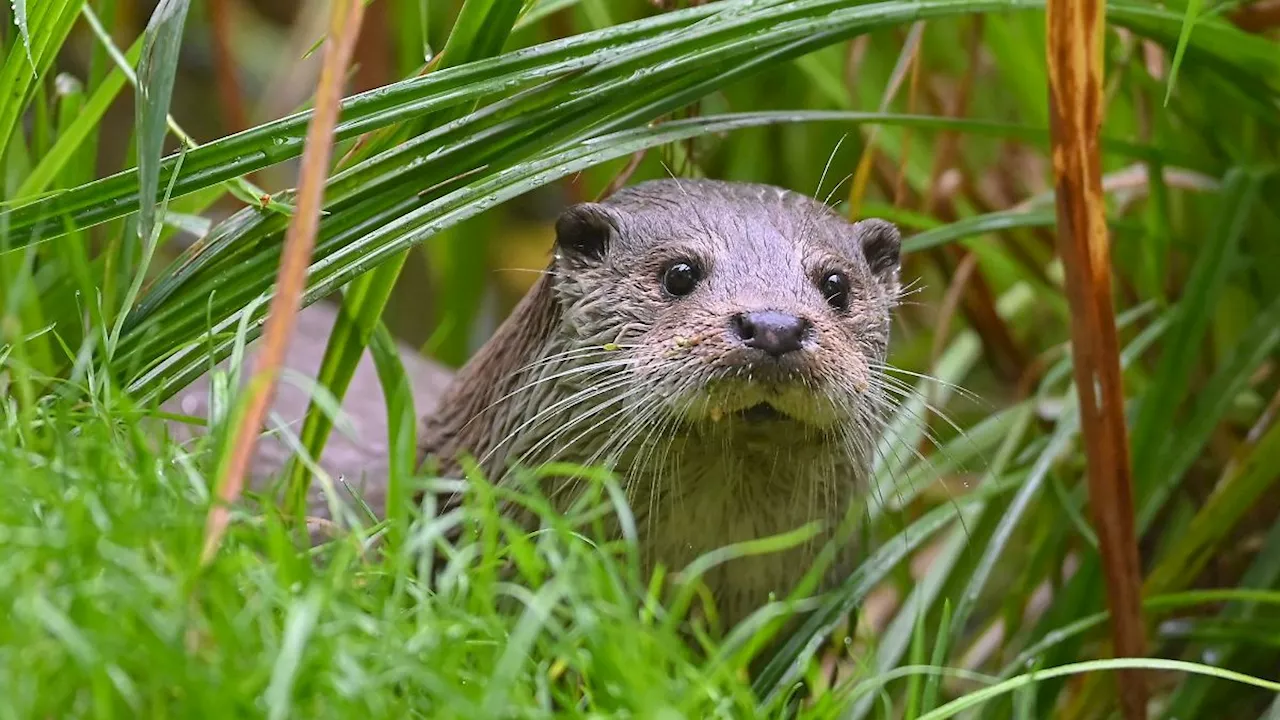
146, 198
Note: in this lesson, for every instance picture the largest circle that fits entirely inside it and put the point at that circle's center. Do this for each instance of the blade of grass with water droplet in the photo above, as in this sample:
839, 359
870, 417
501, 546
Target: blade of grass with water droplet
47, 25
20, 19
157, 70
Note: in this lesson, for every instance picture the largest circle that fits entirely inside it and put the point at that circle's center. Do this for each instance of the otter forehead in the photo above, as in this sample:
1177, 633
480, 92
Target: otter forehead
750, 223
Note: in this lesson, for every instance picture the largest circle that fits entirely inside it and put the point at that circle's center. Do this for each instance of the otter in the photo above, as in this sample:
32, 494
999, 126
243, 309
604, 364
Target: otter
719, 345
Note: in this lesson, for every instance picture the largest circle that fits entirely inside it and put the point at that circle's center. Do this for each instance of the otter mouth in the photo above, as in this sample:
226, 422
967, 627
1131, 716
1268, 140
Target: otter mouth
761, 412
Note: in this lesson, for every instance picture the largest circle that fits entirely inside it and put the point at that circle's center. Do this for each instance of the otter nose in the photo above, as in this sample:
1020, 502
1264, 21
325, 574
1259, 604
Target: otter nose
776, 333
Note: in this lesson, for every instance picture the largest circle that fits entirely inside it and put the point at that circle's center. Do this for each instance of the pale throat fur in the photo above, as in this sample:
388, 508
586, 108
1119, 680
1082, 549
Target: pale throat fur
720, 345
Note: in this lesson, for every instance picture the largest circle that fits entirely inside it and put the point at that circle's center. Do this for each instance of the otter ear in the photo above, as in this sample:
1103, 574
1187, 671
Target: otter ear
881, 245
583, 231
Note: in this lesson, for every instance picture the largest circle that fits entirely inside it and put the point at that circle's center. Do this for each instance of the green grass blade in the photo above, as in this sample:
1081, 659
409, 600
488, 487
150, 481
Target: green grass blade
1081, 592
270, 143
940, 649
480, 31
1194, 694
979, 225
402, 429
1256, 344
908, 625
1003, 530
74, 136
1242, 57
976, 531
1235, 495
24, 32
1189, 19
787, 663
356, 322
539, 10
157, 69
1179, 355
48, 24
915, 657
976, 699
1241, 598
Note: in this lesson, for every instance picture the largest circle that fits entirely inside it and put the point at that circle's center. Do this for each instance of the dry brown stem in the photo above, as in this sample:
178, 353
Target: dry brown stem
344, 26
1075, 62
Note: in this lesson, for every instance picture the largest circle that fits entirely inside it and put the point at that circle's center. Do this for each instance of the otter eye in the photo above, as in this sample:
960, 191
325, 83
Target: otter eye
680, 278
835, 288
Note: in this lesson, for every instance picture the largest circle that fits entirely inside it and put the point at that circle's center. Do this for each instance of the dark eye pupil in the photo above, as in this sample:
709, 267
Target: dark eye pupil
680, 279
835, 288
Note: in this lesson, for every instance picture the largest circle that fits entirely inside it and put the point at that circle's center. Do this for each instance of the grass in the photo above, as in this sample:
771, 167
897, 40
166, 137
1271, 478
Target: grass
111, 614
982, 593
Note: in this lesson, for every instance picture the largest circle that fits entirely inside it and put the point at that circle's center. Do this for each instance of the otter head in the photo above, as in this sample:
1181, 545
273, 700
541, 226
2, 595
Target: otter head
736, 306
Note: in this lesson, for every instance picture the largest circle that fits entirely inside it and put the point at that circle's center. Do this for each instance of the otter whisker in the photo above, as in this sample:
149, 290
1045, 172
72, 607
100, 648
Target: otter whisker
825, 168
901, 389
574, 398
811, 217
585, 416
671, 423
620, 438
577, 370
625, 447
671, 420
887, 368
885, 405
914, 287
615, 447
912, 395
650, 417
899, 486
864, 449
646, 410
565, 403
580, 370
576, 352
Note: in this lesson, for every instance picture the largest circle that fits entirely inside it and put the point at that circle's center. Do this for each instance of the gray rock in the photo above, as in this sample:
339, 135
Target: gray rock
357, 450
